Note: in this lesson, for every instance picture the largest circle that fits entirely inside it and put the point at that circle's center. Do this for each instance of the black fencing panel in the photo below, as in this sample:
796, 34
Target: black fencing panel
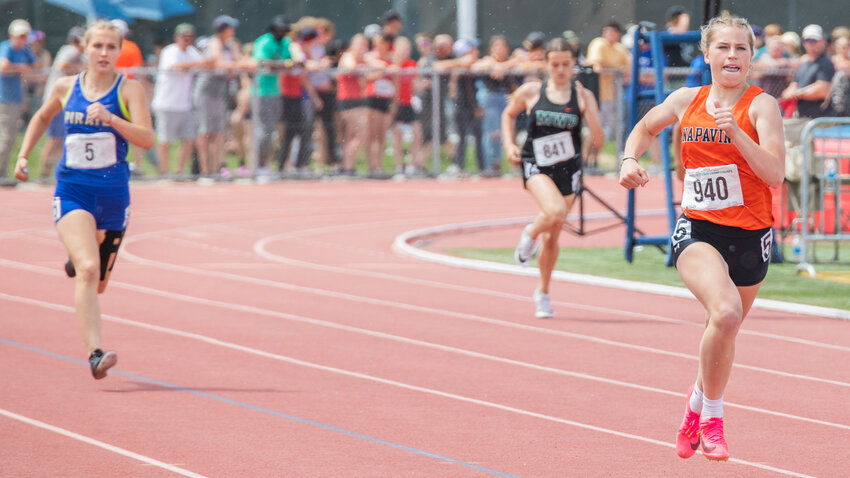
590, 80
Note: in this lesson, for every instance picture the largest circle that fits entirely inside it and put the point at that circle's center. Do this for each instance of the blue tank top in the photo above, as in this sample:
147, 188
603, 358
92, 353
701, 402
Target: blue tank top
94, 154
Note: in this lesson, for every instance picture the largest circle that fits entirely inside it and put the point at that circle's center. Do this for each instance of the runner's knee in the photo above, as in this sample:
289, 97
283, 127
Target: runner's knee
726, 318
555, 216
88, 270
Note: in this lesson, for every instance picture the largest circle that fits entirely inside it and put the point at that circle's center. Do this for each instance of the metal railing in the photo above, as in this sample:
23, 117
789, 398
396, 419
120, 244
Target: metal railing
440, 107
825, 167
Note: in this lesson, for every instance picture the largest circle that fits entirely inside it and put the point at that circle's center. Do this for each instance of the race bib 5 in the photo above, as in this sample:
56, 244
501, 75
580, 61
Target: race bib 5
711, 188
90, 151
553, 149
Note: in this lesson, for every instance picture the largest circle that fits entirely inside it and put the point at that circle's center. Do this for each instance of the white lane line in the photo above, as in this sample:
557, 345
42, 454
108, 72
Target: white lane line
402, 246
434, 311
260, 247
98, 443
395, 338
415, 308
397, 384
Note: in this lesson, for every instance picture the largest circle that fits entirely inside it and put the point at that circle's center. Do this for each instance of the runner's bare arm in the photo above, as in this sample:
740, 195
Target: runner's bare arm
518, 103
658, 118
39, 123
138, 130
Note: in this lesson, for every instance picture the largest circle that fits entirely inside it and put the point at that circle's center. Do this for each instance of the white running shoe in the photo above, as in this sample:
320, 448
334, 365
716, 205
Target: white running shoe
526, 249
543, 308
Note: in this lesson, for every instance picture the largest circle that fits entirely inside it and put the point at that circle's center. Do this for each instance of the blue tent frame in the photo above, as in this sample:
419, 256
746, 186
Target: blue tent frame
656, 41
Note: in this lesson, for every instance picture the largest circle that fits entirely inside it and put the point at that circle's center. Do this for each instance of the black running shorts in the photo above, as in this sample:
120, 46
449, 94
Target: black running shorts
566, 174
747, 253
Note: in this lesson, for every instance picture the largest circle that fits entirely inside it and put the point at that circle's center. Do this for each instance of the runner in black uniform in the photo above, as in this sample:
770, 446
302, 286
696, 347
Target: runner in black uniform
551, 156
548, 119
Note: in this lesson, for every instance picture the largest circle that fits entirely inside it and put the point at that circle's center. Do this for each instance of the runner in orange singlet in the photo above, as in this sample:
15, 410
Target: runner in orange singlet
732, 151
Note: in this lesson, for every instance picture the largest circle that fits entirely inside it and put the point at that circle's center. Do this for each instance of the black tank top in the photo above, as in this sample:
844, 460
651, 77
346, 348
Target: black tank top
548, 118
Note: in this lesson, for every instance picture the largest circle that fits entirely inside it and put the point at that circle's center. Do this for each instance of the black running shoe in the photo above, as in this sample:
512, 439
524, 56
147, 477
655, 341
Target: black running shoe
101, 362
69, 268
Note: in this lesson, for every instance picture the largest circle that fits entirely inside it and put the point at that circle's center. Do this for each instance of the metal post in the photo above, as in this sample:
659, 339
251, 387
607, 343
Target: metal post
467, 19
618, 130
805, 177
435, 121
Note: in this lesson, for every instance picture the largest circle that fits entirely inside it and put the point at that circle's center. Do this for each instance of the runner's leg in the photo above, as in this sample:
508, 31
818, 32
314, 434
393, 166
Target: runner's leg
78, 233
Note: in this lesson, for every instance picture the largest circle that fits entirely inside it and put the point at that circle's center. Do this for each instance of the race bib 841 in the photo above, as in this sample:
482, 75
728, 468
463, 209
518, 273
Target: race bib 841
553, 148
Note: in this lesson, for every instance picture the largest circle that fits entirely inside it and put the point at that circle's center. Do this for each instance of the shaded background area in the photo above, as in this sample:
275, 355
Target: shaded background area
509, 17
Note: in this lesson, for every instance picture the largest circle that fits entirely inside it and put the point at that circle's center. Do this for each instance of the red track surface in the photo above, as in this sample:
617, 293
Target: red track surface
271, 331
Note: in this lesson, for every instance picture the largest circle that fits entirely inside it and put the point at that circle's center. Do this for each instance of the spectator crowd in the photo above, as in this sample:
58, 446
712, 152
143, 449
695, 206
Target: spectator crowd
300, 102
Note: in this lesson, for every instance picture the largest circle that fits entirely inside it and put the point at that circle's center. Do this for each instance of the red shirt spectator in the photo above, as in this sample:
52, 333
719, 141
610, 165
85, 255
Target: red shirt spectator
405, 82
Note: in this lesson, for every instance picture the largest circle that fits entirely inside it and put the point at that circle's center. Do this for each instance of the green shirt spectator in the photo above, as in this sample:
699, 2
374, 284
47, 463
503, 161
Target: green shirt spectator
267, 48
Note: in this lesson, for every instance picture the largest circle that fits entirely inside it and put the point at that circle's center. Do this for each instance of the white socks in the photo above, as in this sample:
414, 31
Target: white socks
712, 408
706, 407
696, 400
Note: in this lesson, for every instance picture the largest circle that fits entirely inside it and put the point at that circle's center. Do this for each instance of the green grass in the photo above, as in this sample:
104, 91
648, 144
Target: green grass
782, 282
607, 159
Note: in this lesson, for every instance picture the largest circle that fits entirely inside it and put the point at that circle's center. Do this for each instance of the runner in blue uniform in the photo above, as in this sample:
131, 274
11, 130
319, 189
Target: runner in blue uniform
102, 111
551, 155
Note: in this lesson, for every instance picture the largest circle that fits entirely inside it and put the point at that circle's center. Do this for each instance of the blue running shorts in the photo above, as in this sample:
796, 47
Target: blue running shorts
110, 206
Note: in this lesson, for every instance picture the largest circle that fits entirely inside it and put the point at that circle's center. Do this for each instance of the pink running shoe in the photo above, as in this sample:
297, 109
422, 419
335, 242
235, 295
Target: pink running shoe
243, 171
687, 438
713, 444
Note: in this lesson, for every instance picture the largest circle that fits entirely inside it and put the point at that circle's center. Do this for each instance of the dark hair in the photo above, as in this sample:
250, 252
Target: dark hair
558, 44
279, 22
614, 25
389, 16
336, 47
674, 12
534, 40
307, 33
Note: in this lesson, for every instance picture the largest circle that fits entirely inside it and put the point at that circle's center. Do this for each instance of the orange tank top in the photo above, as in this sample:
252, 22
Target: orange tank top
720, 186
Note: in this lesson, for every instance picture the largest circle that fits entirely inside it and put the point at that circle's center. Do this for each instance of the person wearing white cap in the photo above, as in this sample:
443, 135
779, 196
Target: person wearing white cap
172, 98
813, 77
16, 61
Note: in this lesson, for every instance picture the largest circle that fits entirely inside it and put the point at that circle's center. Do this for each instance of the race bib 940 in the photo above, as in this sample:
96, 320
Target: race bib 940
553, 148
90, 151
711, 188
